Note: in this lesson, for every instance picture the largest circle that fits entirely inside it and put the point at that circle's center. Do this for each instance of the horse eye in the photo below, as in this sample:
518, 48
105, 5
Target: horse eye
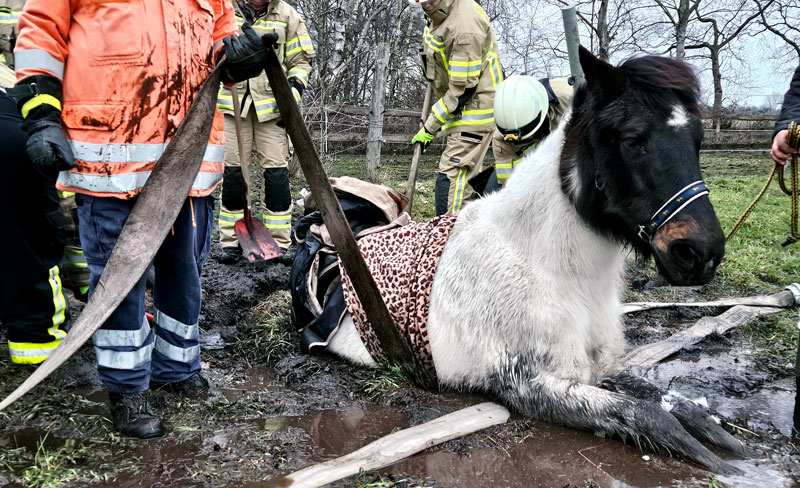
634, 143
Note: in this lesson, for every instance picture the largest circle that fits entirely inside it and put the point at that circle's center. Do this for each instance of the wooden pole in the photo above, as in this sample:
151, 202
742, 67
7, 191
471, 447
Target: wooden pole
412, 173
376, 106
381, 321
573, 41
398, 446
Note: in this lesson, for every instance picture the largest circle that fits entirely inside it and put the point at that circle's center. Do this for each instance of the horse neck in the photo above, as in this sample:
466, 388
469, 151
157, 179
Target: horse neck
539, 220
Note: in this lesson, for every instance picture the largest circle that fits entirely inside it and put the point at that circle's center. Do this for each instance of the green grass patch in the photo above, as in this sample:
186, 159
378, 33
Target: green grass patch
267, 332
386, 379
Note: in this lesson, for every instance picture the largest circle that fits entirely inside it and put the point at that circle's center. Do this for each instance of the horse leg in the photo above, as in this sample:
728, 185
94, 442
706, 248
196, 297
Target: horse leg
587, 407
699, 421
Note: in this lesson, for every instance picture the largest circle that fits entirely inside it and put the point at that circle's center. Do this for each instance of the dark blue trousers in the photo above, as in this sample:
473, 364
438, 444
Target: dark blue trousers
129, 352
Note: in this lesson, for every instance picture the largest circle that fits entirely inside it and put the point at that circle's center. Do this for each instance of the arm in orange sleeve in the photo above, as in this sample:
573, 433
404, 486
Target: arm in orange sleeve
42, 43
224, 26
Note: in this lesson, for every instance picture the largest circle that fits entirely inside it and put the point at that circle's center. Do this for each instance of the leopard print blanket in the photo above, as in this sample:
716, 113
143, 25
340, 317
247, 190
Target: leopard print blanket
402, 261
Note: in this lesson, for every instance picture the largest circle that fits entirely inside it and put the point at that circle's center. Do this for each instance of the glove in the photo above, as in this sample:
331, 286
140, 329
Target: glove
246, 54
424, 137
39, 100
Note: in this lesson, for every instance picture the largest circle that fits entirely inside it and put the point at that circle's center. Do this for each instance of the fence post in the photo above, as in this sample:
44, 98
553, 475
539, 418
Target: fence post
376, 104
573, 41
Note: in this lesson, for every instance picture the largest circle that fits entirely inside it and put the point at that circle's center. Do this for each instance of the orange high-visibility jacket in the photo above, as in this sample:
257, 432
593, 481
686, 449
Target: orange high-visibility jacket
130, 70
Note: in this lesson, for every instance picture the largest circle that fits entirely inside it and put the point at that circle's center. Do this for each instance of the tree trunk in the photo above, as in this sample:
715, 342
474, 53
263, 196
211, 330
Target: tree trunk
376, 105
715, 71
680, 30
602, 31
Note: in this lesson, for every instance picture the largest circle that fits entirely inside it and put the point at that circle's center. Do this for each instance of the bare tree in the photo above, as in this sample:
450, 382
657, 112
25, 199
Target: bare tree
783, 20
678, 13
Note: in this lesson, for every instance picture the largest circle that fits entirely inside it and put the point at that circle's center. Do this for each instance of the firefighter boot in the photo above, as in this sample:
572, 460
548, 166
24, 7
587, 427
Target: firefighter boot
133, 417
195, 386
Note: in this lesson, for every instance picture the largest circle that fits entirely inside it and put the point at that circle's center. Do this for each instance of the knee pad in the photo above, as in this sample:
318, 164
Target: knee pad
440, 193
277, 197
233, 190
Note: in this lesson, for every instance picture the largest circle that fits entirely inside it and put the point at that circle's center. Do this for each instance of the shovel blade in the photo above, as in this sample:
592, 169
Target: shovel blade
255, 240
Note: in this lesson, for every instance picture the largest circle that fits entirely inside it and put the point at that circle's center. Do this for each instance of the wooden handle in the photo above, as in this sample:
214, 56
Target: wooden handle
412, 173
244, 160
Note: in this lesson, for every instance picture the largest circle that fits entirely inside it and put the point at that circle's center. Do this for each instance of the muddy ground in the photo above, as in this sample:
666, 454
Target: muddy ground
274, 410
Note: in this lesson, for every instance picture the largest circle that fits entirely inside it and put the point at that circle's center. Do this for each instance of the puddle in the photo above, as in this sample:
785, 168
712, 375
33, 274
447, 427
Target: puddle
258, 379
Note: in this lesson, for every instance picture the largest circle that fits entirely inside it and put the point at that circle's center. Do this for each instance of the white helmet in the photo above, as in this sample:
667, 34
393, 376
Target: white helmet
520, 107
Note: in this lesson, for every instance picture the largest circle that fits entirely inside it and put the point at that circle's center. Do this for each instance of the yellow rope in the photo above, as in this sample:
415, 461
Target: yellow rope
794, 141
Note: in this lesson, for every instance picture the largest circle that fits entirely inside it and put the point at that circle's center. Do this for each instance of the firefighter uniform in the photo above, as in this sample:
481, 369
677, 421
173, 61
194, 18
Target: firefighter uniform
460, 60
9, 13
261, 124
32, 304
507, 154
117, 132
75, 270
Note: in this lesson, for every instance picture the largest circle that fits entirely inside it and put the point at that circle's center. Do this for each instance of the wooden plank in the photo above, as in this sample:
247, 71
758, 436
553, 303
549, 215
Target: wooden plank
782, 299
650, 354
381, 321
398, 446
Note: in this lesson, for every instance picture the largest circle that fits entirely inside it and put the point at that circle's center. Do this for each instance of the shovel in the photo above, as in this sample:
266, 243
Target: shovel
412, 174
254, 238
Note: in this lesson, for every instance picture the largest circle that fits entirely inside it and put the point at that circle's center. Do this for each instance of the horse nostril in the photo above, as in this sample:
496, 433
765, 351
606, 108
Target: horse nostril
684, 254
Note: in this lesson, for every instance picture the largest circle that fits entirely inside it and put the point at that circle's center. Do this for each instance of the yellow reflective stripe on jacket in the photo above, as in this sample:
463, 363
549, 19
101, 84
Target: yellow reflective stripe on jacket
59, 304
31, 352
440, 111
504, 170
7, 76
9, 17
262, 24
472, 117
299, 73
298, 43
465, 69
266, 106
458, 196
228, 219
436, 46
277, 221
494, 68
74, 258
65, 194
38, 100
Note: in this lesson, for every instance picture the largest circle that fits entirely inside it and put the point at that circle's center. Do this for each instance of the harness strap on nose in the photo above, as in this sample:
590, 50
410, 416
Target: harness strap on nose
672, 207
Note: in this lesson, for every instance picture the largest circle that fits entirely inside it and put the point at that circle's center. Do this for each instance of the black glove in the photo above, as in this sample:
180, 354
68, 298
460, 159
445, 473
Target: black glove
245, 54
48, 149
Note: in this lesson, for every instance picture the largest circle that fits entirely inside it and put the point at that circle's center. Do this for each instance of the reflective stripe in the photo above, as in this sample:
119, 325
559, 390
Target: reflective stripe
65, 194
464, 69
458, 196
472, 117
37, 101
228, 219
180, 354
216, 48
8, 75
300, 74
74, 258
298, 43
59, 304
122, 338
494, 68
262, 24
108, 358
503, 170
266, 106
31, 352
126, 183
441, 113
36, 58
277, 221
178, 328
134, 153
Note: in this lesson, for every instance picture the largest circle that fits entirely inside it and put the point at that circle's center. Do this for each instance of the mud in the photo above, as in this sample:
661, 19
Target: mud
274, 410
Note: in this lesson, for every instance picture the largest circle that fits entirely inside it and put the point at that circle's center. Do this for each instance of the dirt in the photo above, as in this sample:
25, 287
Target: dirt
274, 410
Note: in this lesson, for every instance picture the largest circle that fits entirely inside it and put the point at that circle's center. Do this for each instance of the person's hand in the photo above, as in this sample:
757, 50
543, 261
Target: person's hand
48, 147
245, 54
781, 150
424, 137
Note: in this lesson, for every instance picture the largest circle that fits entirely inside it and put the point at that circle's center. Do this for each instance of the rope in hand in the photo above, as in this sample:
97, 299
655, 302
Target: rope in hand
794, 141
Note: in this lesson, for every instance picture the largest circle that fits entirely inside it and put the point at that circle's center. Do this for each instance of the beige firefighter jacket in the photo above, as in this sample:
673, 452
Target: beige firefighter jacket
294, 50
460, 60
7, 76
508, 153
9, 14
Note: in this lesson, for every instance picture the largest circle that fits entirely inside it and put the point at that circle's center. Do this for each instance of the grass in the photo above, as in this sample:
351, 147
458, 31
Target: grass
386, 379
268, 333
48, 468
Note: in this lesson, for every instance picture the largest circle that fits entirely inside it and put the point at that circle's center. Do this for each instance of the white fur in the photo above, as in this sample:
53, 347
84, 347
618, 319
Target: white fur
521, 274
678, 118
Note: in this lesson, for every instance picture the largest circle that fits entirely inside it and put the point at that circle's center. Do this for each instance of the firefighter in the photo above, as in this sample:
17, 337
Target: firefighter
262, 126
525, 110
102, 87
9, 12
460, 61
32, 303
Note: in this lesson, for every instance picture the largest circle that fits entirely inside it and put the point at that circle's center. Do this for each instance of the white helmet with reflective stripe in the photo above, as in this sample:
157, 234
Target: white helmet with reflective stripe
520, 107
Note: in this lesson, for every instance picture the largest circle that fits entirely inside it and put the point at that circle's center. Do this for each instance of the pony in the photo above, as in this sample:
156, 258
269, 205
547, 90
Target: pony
525, 303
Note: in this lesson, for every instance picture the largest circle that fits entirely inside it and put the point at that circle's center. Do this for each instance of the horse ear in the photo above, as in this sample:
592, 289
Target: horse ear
601, 77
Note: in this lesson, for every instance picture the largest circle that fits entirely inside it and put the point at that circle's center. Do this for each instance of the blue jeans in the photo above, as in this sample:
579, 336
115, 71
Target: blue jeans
128, 352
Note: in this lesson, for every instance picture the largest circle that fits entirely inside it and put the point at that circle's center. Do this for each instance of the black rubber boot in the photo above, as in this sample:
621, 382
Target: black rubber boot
230, 255
133, 417
195, 386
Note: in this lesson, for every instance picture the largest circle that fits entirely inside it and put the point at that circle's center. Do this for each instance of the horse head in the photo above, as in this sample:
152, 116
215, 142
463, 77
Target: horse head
630, 164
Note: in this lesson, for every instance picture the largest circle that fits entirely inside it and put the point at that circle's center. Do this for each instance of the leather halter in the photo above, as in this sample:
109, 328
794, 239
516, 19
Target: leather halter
678, 202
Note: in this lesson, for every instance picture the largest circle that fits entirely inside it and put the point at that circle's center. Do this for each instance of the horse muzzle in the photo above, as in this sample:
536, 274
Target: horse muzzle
687, 253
